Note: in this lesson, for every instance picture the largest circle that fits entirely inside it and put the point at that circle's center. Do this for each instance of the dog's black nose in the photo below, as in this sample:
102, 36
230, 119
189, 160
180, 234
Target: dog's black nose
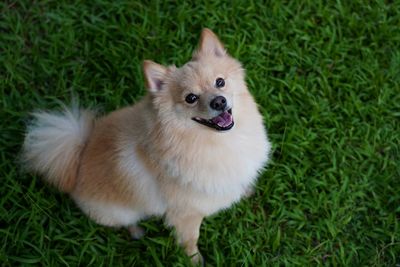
218, 103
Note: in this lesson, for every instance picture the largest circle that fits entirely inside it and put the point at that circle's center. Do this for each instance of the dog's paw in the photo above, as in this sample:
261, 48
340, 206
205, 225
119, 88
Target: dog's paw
136, 232
197, 260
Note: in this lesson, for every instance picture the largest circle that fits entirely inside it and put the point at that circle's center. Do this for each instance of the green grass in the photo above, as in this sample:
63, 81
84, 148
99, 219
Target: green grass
326, 77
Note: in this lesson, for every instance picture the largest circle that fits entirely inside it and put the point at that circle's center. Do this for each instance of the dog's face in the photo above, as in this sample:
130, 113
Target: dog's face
202, 93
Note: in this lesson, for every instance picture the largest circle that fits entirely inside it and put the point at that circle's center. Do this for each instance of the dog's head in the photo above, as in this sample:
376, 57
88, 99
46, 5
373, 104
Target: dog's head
201, 93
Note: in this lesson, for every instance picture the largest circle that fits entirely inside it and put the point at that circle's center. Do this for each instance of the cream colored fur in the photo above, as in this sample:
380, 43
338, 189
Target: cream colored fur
53, 144
152, 158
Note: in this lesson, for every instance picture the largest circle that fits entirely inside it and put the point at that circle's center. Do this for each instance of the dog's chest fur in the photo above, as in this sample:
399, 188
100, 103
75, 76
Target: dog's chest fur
205, 173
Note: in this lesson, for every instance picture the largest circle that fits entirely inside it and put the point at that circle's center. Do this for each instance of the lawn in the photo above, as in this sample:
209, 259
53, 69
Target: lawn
327, 80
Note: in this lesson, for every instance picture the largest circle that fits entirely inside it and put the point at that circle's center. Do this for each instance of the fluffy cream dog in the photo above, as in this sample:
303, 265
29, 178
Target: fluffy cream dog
191, 147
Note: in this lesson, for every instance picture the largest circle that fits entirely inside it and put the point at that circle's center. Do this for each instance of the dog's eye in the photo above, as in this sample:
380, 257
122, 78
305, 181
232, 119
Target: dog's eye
191, 98
219, 83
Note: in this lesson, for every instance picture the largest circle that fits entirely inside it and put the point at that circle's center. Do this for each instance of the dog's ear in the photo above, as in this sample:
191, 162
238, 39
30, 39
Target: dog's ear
209, 45
154, 74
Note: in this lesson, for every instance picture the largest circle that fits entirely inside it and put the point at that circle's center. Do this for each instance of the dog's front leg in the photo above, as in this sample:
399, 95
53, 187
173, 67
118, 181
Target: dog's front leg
187, 227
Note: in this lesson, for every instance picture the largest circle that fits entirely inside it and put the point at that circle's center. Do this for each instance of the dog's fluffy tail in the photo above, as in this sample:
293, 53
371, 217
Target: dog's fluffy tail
53, 145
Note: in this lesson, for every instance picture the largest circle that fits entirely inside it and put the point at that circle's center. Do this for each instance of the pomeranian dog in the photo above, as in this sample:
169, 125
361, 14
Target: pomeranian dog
192, 146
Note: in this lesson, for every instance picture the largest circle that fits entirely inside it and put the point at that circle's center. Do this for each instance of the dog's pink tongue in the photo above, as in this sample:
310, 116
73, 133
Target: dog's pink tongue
223, 119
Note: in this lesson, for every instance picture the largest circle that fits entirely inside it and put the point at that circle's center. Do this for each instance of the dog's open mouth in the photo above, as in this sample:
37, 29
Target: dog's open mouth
222, 122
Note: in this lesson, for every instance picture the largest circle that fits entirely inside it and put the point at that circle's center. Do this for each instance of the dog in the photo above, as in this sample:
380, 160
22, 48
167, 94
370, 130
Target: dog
192, 146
